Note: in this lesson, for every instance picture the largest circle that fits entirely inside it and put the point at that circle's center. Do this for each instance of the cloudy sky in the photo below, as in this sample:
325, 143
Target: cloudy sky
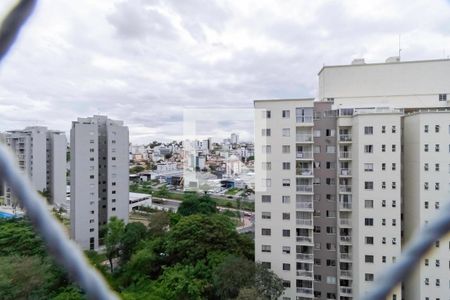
148, 61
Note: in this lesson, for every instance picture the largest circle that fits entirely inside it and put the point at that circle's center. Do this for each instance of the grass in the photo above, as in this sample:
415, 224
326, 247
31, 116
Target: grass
232, 191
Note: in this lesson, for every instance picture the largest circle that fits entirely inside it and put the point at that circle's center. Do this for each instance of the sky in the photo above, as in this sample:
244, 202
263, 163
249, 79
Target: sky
147, 62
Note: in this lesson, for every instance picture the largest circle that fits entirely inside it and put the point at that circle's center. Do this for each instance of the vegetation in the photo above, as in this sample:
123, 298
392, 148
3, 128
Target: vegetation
136, 169
194, 254
232, 191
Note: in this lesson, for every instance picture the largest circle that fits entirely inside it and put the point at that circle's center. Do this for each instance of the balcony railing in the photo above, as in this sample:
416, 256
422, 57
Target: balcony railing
304, 222
304, 188
345, 205
305, 291
304, 239
345, 188
346, 290
346, 172
304, 273
345, 154
304, 155
345, 137
308, 138
346, 239
345, 222
304, 205
304, 119
303, 256
347, 256
304, 172
346, 273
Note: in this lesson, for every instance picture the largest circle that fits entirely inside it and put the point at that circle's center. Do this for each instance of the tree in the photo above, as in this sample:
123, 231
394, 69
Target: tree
231, 275
136, 169
268, 285
134, 233
193, 205
162, 191
159, 222
18, 238
114, 233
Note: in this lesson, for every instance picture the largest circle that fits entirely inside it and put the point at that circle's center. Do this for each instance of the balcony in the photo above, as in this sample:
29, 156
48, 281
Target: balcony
345, 138
305, 240
304, 205
304, 119
305, 172
305, 291
345, 205
304, 188
346, 256
346, 290
305, 257
345, 222
346, 239
304, 155
304, 138
345, 172
304, 222
346, 273
345, 188
304, 273
345, 155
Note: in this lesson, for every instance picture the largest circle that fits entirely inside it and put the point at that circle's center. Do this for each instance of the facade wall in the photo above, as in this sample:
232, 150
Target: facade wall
56, 167
423, 170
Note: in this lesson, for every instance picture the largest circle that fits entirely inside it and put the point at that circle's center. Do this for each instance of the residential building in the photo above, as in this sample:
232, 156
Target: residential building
41, 154
340, 157
99, 177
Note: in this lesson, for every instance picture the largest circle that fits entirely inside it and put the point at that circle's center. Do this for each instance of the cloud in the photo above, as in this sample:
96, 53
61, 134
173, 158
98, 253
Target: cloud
147, 61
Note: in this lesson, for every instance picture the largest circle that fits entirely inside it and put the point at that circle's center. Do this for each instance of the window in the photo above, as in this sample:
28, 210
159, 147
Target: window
425, 185
394, 203
436, 205
286, 131
394, 129
436, 186
266, 166
331, 262
383, 185
91, 176
436, 167
438, 282
383, 222
425, 147
368, 148
368, 185
383, 259
383, 203
265, 231
394, 148
394, 185
286, 216
265, 132
369, 240
394, 222
286, 182
368, 258
331, 280
368, 167
286, 149
368, 130
286, 114
426, 262
383, 240
383, 167
368, 221
426, 204
266, 248
286, 267
91, 150
442, 97
317, 133
427, 281
286, 165
91, 159
436, 147
394, 166
438, 263
286, 283
266, 198
383, 129
266, 264
368, 277
383, 148
394, 241
331, 181
266, 182
316, 149
286, 233
266, 114
425, 166
368, 203
266, 149
330, 132
91, 229
286, 249
436, 128
331, 149
266, 215
425, 128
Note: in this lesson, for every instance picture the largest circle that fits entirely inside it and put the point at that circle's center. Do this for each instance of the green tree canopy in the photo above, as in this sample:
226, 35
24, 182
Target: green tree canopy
115, 229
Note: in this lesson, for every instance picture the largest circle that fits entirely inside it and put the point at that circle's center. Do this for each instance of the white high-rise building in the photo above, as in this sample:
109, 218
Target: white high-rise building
234, 138
340, 178
99, 177
41, 154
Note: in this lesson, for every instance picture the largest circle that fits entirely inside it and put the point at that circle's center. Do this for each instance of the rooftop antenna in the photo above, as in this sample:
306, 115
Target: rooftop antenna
399, 46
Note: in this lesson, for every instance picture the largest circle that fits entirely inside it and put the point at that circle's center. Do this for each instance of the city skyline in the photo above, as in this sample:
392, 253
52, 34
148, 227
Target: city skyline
97, 62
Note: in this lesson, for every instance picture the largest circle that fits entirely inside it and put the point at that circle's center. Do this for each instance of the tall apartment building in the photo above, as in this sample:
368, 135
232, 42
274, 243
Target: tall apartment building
99, 176
340, 157
41, 154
